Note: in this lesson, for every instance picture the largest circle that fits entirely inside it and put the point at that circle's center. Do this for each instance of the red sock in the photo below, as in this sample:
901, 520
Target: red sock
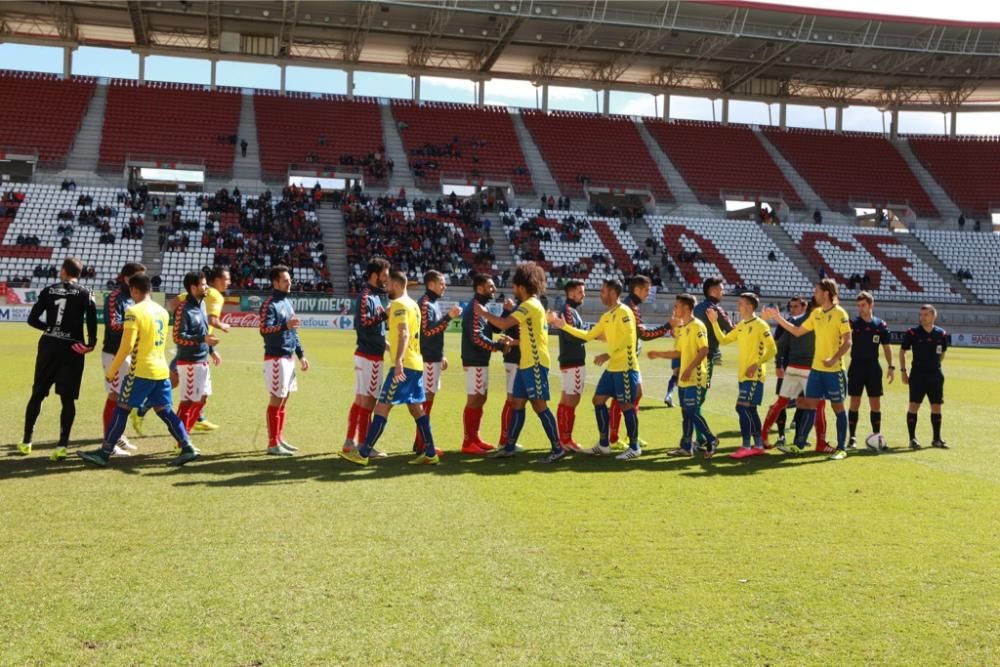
109, 411
467, 425
772, 415
352, 421
272, 425
184, 414
281, 423
364, 421
196, 413
569, 420
505, 422
477, 420
821, 421
615, 421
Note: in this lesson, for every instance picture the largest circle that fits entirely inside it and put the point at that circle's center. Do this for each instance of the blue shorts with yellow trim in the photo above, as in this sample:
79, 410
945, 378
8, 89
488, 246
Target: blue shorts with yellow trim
623, 385
691, 397
532, 383
831, 386
137, 392
400, 392
752, 392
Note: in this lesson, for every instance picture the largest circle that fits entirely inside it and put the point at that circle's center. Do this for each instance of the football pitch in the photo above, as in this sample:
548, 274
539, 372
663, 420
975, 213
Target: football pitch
244, 559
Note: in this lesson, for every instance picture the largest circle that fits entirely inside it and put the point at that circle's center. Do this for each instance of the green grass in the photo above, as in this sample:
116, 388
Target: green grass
242, 559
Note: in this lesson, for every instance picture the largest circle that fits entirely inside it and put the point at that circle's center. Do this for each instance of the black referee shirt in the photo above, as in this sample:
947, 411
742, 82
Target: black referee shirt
927, 346
867, 337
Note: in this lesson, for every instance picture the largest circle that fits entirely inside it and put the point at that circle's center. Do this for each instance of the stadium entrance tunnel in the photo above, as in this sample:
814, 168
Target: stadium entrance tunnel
761, 210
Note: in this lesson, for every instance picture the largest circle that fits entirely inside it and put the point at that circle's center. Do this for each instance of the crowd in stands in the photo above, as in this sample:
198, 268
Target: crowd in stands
859, 281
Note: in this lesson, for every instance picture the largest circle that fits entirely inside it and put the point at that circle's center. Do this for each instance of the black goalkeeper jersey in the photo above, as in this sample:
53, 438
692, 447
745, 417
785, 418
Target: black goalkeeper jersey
65, 306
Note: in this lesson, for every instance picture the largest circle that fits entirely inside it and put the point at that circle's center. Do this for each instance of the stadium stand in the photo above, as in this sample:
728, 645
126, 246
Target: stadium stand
736, 250
31, 97
716, 159
966, 168
170, 123
461, 142
613, 154
315, 132
894, 272
53, 223
971, 253
851, 168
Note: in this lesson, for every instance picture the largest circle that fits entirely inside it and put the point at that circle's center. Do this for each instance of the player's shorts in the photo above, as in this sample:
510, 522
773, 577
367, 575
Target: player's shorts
367, 376
432, 377
173, 364
408, 390
141, 392
510, 371
675, 364
57, 364
752, 392
531, 383
477, 380
573, 379
794, 382
828, 385
114, 387
279, 376
864, 376
691, 397
623, 385
928, 384
195, 380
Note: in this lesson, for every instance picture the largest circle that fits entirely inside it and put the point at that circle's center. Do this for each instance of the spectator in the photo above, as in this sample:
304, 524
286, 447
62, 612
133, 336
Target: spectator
977, 227
961, 221
771, 256
817, 217
243, 147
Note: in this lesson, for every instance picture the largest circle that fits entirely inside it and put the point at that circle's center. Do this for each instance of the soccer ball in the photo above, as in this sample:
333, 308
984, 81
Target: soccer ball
876, 442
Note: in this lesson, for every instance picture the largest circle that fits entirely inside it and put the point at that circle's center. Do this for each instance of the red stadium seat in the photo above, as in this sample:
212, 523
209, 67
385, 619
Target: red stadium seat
968, 169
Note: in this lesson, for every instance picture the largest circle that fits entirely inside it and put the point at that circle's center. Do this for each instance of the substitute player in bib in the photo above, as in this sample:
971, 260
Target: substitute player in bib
620, 382
929, 343
194, 345
144, 336
691, 349
827, 380
61, 349
405, 384
756, 348
115, 305
279, 327
370, 316
864, 374
432, 327
573, 361
532, 381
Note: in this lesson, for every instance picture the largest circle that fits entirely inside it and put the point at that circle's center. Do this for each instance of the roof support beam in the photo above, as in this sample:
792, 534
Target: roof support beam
139, 32
508, 29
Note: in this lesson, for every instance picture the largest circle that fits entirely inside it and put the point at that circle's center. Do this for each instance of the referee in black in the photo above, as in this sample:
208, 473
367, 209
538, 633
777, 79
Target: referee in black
929, 343
61, 349
868, 334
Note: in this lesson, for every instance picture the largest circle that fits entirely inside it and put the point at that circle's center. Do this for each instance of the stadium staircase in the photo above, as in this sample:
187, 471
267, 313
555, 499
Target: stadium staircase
925, 255
945, 206
540, 174
640, 231
787, 244
401, 176
151, 255
87, 145
331, 221
684, 196
505, 258
246, 170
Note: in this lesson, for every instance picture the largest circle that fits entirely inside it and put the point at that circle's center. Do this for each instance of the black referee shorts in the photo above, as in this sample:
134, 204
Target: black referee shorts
57, 364
929, 384
864, 376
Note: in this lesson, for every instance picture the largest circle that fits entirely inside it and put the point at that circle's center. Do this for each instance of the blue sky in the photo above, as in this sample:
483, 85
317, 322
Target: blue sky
124, 64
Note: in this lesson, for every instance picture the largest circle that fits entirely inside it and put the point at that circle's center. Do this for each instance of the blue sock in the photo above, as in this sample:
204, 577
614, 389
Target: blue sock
374, 433
671, 383
804, 426
424, 425
755, 426
514, 429
175, 427
551, 428
700, 425
632, 427
841, 429
745, 426
688, 428
603, 423
115, 429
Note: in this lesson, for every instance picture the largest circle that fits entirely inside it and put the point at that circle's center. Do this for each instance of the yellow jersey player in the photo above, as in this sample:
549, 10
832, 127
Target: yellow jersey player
405, 385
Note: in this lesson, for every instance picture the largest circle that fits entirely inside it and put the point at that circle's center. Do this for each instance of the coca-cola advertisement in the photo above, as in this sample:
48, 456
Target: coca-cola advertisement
246, 320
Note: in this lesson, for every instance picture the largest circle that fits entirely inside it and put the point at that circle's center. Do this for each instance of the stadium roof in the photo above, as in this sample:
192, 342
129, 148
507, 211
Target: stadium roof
767, 52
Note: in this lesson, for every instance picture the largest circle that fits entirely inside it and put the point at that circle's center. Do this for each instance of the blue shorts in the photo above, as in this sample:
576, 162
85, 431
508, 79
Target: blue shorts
532, 383
173, 364
751, 392
137, 392
675, 364
831, 386
410, 390
691, 397
623, 385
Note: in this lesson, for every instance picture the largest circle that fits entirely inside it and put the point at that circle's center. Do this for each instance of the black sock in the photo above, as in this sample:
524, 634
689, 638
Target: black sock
876, 422
936, 425
66, 420
852, 421
780, 421
911, 424
31, 415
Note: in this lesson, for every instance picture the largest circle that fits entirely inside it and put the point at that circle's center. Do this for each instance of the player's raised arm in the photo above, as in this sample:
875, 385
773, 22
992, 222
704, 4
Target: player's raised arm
771, 314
